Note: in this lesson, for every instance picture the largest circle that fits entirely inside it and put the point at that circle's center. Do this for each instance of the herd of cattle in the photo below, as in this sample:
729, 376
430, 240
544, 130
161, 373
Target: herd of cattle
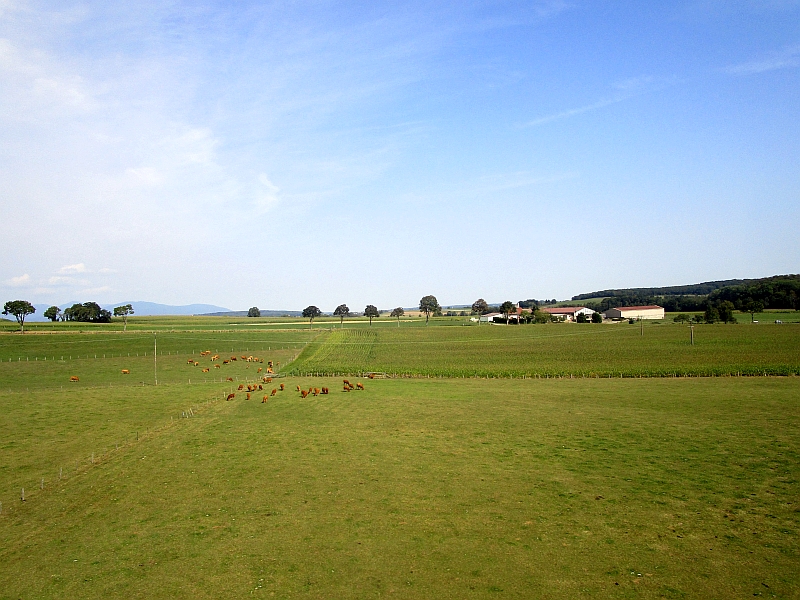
267, 378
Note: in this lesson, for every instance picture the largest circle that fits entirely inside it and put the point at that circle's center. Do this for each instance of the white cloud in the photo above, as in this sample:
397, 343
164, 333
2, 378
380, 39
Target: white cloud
787, 58
266, 195
70, 269
20, 281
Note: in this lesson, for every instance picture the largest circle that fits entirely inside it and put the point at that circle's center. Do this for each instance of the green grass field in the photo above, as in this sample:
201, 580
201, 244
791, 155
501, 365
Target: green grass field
557, 350
413, 488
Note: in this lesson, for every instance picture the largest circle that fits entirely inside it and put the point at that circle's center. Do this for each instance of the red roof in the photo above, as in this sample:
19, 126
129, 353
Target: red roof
563, 310
649, 307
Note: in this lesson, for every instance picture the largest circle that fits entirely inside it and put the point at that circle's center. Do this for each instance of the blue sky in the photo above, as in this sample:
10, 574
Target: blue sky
293, 153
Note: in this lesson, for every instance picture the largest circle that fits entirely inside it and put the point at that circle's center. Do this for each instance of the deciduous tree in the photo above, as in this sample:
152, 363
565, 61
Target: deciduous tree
507, 308
480, 307
398, 312
254, 312
20, 309
52, 313
123, 311
311, 313
753, 307
371, 312
341, 311
428, 305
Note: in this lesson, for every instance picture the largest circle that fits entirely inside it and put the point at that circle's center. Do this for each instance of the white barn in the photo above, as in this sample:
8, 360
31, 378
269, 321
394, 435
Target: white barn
651, 311
569, 313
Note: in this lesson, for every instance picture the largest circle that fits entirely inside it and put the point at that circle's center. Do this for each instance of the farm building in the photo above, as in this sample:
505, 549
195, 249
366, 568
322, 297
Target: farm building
490, 317
568, 313
635, 312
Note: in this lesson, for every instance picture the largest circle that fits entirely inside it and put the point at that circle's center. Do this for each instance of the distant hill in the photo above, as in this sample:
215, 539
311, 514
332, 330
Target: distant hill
694, 289
778, 291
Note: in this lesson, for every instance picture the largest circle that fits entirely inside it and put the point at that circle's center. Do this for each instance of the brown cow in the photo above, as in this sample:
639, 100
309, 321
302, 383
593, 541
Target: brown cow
347, 383
264, 400
269, 370
324, 390
269, 363
371, 375
229, 379
346, 388
274, 392
74, 378
298, 388
268, 380
359, 386
215, 357
316, 392
303, 394
248, 395
281, 387
126, 372
260, 387
259, 370
241, 386
217, 367
191, 360
231, 396
205, 370
196, 363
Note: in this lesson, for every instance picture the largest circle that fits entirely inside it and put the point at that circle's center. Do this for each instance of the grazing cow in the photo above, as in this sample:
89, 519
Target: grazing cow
346, 388
229, 379
217, 367
225, 362
231, 396
316, 391
274, 392
269, 370
241, 386
324, 390
264, 400
249, 388
205, 370
196, 363
303, 394
248, 395
126, 372
298, 388
260, 387
215, 357
74, 378
371, 375
347, 383
244, 357
233, 358
259, 370
191, 360
269, 363
281, 387
359, 386
268, 380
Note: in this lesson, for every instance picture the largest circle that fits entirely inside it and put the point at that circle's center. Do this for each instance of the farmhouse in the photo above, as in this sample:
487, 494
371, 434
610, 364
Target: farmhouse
651, 311
490, 317
568, 313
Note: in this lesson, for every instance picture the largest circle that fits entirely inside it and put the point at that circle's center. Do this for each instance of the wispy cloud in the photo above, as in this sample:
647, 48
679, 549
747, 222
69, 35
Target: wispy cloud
625, 89
72, 269
574, 111
786, 58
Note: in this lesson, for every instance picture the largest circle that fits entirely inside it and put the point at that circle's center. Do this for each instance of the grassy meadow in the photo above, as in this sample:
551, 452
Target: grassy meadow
413, 488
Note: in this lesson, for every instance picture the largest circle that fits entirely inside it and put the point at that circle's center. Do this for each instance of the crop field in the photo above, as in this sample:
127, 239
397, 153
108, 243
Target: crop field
412, 488
557, 350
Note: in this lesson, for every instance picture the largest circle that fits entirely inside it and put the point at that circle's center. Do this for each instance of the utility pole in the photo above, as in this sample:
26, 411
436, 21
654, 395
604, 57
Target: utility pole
641, 323
155, 356
691, 333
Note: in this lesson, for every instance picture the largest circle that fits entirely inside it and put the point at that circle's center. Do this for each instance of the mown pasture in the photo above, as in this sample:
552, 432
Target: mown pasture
557, 350
414, 488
